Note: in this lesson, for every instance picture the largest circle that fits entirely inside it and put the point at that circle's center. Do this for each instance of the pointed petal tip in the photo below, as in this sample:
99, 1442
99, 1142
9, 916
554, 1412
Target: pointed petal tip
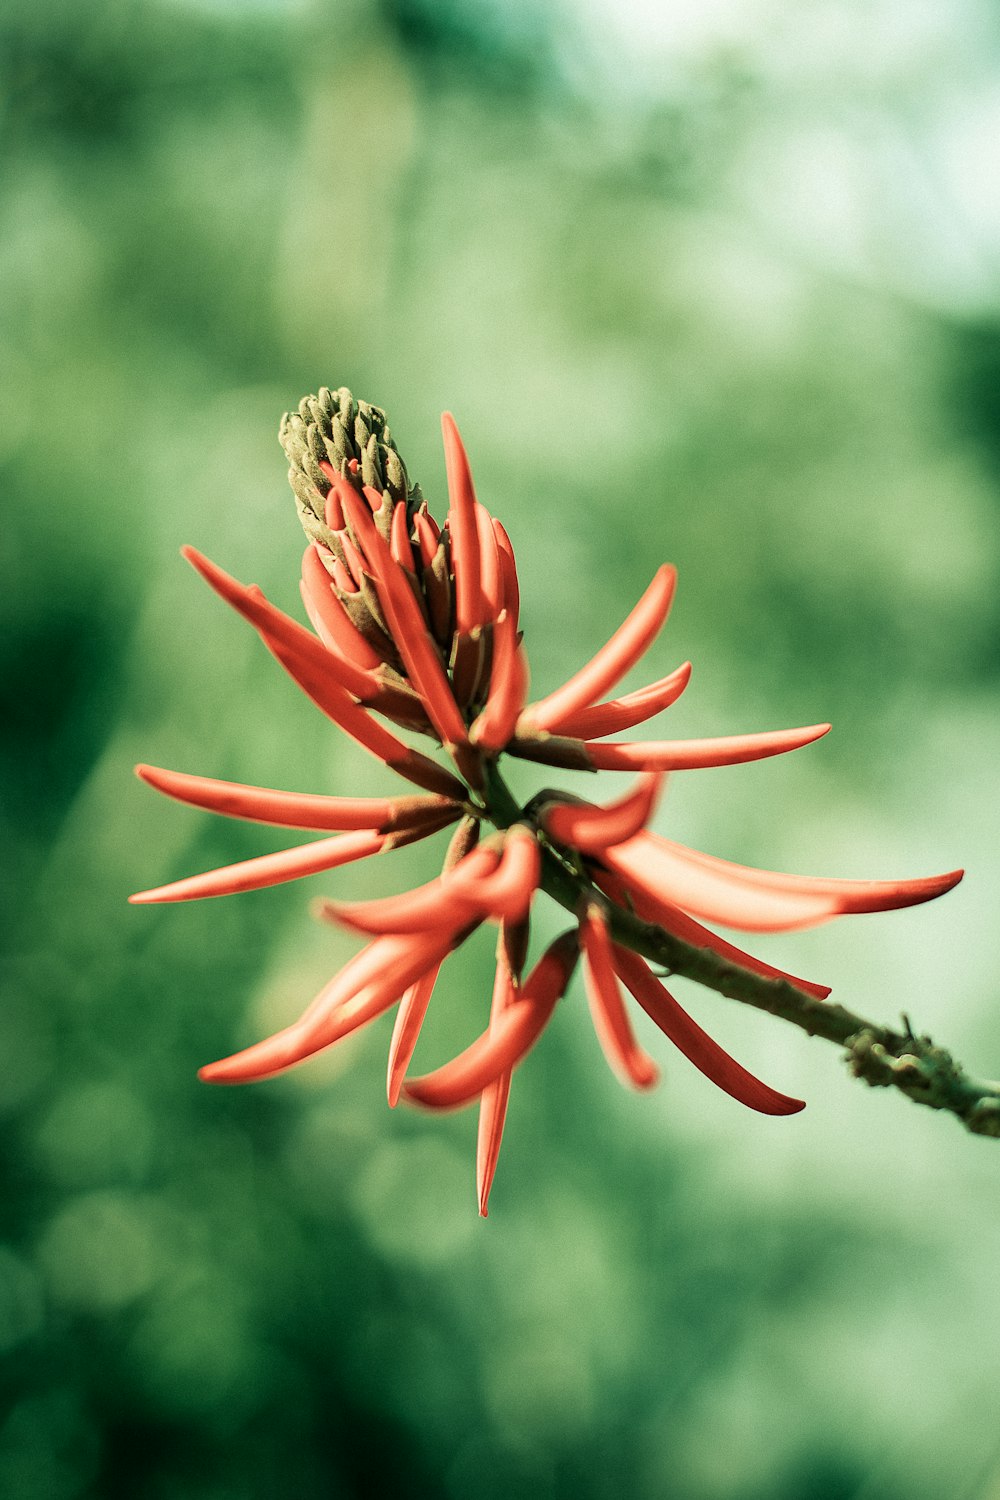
208, 1073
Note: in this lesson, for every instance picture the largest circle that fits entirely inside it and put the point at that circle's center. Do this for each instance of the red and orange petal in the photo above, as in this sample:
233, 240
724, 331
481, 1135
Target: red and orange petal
368, 985
306, 810
592, 829
694, 755
508, 689
628, 711
314, 669
269, 869
408, 628
607, 1009
663, 913
630, 641
406, 1031
495, 1096
697, 1046
462, 528
499, 1049
328, 616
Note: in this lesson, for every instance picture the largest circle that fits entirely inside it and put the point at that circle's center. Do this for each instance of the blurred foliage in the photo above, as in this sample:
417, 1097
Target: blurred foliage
715, 283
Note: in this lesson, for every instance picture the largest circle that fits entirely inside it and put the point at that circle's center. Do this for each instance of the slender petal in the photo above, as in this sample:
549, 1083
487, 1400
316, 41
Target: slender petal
509, 890
696, 1045
269, 869
293, 809
494, 1098
357, 723
693, 755
663, 913
364, 988
427, 538
591, 829
312, 667
607, 1009
331, 622
508, 689
490, 580
469, 609
451, 898
399, 540
511, 597
648, 864
851, 896
502, 1047
279, 630
355, 562
409, 629
626, 712
622, 651
409, 1019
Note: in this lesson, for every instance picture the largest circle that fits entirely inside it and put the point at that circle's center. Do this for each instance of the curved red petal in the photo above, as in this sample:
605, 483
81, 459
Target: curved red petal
592, 829
305, 810
697, 1046
469, 609
626, 1058
693, 755
405, 1033
268, 869
663, 913
329, 617
628, 711
647, 863
632, 638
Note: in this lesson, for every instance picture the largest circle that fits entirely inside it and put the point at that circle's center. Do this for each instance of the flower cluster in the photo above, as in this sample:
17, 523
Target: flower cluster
419, 624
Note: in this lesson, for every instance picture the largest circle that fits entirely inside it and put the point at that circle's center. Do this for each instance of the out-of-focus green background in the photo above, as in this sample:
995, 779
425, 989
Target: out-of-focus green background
715, 282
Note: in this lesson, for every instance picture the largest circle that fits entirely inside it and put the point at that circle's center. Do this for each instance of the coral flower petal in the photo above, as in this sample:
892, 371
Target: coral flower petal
851, 896
693, 755
696, 1045
511, 597
469, 610
628, 711
279, 630
494, 1098
293, 809
607, 1009
649, 864
269, 869
373, 980
312, 667
632, 638
399, 540
408, 628
508, 891
663, 913
502, 1047
427, 538
451, 898
490, 578
592, 829
406, 1031
328, 616
508, 689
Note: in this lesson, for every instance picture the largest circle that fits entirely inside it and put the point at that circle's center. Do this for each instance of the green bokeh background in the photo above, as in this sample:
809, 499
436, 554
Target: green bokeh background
709, 282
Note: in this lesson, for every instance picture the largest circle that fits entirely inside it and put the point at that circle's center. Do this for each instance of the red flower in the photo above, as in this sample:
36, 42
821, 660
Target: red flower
419, 625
